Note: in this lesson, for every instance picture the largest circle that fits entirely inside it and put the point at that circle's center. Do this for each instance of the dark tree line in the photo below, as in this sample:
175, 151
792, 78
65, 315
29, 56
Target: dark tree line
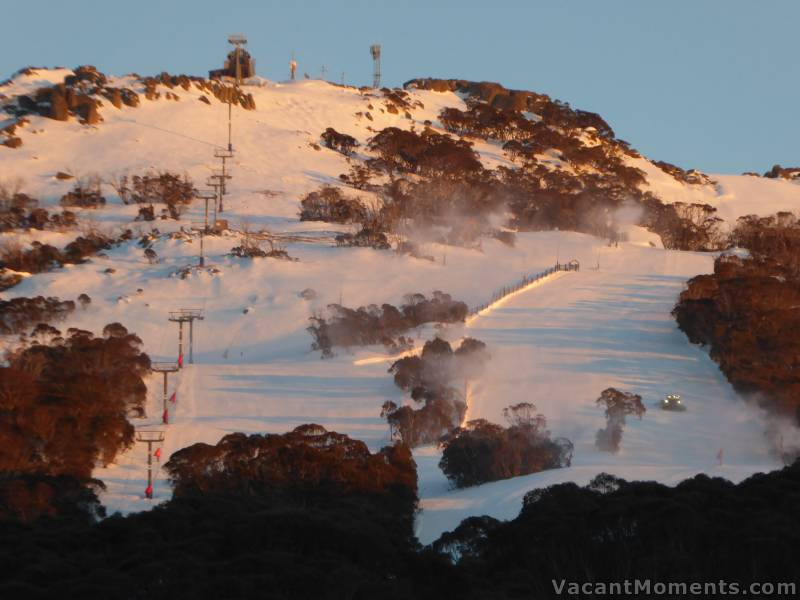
385, 325
775, 238
435, 183
20, 211
684, 226
704, 529
482, 451
64, 407
428, 154
308, 457
40, 258
158, 187
436, 381
297, 537
306, 514
18, 314
438, 186
29, 497
746, 311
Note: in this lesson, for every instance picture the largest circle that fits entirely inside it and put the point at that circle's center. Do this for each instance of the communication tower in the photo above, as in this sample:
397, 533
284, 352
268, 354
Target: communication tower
375, 50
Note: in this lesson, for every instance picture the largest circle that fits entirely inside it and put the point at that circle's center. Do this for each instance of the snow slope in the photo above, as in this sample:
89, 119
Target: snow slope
557, 344
733, 195
560, 345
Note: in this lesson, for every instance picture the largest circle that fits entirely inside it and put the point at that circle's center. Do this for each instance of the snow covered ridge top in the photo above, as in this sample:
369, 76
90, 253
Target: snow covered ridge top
544, 156
779, 172
60, 94
563, 115
487, 91
501, 98
553, 112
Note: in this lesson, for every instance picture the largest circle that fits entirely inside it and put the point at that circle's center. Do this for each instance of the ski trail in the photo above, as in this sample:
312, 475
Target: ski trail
467, 322
126, 477
559, 350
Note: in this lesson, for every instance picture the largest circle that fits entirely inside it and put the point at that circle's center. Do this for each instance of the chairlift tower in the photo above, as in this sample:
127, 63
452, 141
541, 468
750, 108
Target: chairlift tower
220, 177
165, 368
207, 195
202, 227
223, 155
149, 438
214, 183
375, 50
181, 316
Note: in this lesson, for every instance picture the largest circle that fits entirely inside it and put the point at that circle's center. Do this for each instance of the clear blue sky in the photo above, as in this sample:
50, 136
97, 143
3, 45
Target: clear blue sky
706, 84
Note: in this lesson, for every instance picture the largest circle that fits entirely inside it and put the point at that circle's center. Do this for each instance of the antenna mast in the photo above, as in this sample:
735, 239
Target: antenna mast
237, 40
375, 50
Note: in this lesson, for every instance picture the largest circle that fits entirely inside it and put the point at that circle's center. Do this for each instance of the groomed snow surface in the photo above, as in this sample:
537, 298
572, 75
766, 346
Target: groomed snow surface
557, 344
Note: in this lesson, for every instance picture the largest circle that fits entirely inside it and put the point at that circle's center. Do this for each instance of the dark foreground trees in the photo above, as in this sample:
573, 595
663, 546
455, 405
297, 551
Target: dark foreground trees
27, 497
64, 407
306, 458
746, 312
307, 514
307, 542
704, 529
18, 314
482, 451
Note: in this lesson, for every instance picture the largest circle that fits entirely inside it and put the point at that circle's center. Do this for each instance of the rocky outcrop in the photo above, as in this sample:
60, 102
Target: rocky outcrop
779, 172
8, 137
691, 177
83, 93
486, 91
501, 98
12, 142
114, 96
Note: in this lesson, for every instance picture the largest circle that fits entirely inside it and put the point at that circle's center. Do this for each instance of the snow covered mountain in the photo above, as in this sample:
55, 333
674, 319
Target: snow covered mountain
556, 343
